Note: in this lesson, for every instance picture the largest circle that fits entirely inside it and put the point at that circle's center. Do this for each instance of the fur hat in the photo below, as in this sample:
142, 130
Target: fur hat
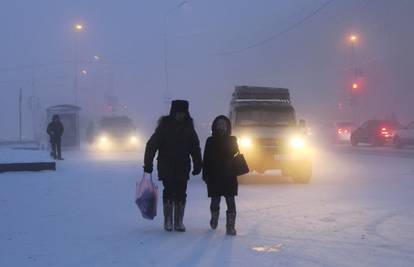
179, 106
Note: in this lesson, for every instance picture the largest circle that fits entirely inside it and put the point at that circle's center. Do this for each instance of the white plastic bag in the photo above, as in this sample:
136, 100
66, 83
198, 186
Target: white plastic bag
146, 197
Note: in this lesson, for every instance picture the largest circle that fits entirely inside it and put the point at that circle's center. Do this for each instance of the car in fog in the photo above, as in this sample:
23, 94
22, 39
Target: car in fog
342, 131
269, 136
116, 133
404, 136
373, 132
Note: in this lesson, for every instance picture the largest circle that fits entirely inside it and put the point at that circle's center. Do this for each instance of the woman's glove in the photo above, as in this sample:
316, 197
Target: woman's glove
196, 171
148, 169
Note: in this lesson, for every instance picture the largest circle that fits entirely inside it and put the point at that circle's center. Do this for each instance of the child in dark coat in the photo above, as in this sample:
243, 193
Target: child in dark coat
219, 150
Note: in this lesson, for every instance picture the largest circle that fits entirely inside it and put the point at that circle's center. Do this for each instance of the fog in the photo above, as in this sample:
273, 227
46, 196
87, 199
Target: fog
212, 46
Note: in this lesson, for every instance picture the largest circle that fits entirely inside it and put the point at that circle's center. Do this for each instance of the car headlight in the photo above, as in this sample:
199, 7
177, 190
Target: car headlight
245, 142
297, 142
103, 139
133, 139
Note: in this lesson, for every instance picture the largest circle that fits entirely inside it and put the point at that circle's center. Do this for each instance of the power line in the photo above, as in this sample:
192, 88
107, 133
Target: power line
276, 35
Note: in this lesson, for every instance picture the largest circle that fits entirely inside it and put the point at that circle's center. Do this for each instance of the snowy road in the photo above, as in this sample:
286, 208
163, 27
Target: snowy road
357, 211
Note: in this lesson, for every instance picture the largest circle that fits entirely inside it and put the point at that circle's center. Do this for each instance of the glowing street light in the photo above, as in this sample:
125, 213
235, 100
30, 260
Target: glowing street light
355, 86
353, 38
79, 27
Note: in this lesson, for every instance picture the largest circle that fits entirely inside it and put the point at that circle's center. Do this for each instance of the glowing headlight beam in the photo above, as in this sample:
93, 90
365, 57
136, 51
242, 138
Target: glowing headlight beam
103, 139
245, 142
133, 139
297, 142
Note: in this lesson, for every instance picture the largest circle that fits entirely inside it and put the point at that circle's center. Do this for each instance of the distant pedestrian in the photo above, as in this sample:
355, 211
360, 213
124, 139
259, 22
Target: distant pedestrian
90, 132
55, 131
219, 150
176, 140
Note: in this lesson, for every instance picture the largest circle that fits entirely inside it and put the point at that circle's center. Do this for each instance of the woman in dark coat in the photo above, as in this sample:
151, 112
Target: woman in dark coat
55, 131
175, 140
219, 150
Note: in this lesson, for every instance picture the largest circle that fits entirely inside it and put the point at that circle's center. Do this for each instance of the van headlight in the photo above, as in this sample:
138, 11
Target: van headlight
297, 142
245, 142
103, 139
133, 139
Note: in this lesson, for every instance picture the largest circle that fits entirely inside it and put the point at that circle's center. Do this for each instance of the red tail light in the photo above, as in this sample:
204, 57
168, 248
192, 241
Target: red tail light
385, 132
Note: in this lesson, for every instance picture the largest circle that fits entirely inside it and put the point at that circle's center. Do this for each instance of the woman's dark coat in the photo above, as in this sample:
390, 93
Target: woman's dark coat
175, 142
218, 152
55, 129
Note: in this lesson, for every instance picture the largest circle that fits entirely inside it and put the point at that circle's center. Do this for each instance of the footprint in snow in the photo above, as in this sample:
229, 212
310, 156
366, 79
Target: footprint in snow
328, 219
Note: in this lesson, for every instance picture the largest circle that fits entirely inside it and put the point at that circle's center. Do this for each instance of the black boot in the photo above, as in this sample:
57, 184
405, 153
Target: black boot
214, 218
168, 213
179, 208
230, 223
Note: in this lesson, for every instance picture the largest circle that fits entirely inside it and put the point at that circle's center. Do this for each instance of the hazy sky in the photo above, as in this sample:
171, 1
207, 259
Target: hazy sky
313, 59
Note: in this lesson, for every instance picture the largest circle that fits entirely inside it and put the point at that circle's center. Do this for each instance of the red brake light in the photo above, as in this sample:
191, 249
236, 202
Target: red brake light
385, 132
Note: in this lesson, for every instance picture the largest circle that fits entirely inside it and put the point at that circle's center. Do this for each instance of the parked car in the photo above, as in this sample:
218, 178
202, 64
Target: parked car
374, 132
342, 131
404, 136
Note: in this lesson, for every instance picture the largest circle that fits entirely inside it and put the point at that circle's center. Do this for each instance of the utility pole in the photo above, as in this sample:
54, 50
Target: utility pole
20, 114
79, 28
167, 92
34, 104
356, 76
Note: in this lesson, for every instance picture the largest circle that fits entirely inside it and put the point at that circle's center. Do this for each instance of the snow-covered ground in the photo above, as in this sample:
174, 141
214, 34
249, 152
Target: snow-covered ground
357, 211
12, 155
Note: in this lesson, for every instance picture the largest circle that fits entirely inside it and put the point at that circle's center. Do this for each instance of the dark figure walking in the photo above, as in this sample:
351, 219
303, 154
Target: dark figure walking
55, 132
220, 149
175, 140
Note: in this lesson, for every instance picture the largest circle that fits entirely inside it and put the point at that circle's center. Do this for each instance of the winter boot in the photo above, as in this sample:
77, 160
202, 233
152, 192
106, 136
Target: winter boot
214, 218
179, 208
230, 223
168, 215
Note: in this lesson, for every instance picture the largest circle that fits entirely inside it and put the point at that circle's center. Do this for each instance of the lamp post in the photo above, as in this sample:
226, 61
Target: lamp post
353, 39
167, 93
78, 27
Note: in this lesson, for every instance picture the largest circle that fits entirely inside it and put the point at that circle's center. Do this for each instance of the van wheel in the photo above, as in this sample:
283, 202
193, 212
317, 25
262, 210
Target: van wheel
302, 178
303, 175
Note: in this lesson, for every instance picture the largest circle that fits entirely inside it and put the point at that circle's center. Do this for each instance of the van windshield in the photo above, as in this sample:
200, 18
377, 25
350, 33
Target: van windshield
117, 124
265, 116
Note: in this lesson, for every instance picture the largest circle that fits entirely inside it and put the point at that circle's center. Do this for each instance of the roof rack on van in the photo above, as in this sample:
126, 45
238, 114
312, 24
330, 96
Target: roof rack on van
261, 94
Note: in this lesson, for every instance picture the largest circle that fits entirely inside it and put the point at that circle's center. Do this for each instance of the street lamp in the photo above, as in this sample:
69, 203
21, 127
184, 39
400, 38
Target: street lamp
167, 96
79, 27
353, 38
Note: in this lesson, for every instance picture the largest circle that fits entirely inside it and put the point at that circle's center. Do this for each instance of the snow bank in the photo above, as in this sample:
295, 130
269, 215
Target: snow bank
10, 155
